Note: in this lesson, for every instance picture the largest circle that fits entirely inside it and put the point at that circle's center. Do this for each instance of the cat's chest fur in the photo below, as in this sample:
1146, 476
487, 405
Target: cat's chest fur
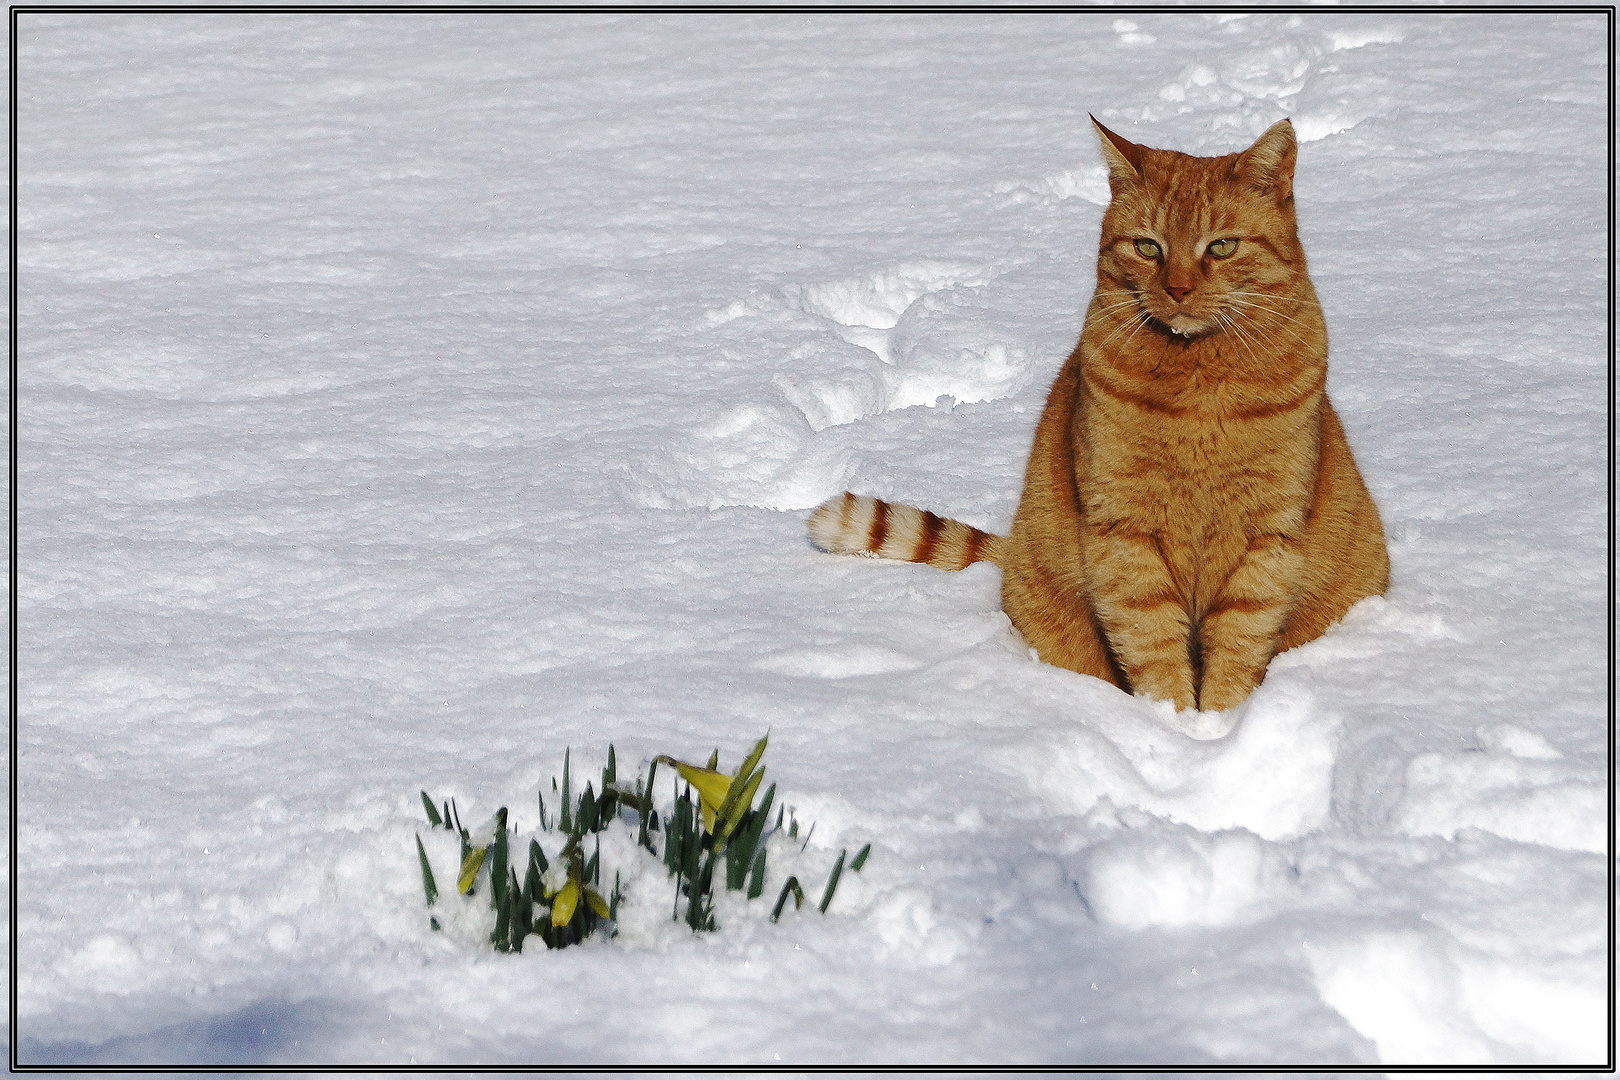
1188, 450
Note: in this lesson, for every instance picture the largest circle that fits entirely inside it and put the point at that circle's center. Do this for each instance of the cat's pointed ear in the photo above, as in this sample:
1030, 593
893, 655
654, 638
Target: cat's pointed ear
1124, 157
1268, 165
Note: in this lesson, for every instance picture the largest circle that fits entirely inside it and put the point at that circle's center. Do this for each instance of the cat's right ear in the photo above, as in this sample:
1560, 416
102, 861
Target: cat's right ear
1124, 158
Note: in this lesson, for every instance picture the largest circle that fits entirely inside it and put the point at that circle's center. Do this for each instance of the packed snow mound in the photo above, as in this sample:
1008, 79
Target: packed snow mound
1514, 794
1424, 999
1270, 772
1184, 877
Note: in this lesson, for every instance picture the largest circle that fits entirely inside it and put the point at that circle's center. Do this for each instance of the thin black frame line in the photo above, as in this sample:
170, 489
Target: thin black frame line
13, 334
1611, 522
11, 559
774, 1067
793, 9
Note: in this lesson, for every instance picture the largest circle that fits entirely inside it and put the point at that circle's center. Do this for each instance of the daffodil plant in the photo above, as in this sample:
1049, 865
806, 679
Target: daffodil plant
723, 822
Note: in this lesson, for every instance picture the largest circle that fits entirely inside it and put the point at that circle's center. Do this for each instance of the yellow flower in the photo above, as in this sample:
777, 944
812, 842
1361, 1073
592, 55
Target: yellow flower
562, 908
475, 855
711, 786
469, 869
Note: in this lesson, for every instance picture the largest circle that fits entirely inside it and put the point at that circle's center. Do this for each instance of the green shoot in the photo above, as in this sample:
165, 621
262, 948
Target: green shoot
756, 881
649, 816
742, 788
832, 883
585, 819
428, 885
497, 868
792, 884
609, 775
565, 823
521, 919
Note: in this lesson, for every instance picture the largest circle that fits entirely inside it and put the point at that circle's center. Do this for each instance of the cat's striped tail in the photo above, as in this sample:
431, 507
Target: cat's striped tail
861, 525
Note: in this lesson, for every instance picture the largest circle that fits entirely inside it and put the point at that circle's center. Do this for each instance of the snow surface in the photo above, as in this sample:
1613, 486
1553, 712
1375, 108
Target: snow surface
407, 398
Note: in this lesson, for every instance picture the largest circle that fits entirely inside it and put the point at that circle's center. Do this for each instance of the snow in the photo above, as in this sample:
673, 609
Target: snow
407, 398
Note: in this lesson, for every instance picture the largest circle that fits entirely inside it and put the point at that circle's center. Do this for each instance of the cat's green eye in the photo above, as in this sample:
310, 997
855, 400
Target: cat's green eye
1147, 249
1223, 249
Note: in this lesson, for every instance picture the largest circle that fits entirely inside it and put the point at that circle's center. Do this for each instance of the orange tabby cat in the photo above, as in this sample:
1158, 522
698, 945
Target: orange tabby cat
1191, 507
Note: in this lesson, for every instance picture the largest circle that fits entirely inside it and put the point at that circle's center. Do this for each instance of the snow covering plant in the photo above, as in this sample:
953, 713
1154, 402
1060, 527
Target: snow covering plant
721, 823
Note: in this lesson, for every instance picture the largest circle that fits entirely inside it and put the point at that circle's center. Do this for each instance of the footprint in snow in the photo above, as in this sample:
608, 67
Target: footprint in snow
914, 334
1251, 87
919, 334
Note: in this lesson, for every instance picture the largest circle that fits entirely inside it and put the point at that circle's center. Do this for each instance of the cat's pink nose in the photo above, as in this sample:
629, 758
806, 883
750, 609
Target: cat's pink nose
1178, 293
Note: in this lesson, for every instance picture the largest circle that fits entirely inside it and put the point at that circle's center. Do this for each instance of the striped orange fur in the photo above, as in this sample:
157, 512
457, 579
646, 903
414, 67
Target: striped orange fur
861, 525
1191, 507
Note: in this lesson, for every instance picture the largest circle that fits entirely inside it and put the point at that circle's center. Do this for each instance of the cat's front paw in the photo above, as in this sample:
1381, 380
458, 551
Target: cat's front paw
1170, 686
1218, 696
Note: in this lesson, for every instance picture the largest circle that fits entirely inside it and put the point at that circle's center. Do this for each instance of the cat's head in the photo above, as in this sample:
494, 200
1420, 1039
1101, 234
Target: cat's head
1196, 244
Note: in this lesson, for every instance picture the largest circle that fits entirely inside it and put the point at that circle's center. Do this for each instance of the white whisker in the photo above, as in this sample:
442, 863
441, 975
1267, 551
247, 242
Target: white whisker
1140, 319
1242, 339
1139, 326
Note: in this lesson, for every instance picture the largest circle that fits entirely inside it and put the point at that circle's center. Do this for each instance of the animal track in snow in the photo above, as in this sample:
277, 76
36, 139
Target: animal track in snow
919, 337
1251, 88
867, 307
1246, 89
1087, 182
842, 350
1131, 34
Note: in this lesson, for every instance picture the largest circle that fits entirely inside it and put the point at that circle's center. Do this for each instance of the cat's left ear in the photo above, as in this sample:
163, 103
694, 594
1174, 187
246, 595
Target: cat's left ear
1268, 165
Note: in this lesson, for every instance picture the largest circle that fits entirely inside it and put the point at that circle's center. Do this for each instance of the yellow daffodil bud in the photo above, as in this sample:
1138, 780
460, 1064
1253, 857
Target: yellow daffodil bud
598, 905
562, 908
469, 869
